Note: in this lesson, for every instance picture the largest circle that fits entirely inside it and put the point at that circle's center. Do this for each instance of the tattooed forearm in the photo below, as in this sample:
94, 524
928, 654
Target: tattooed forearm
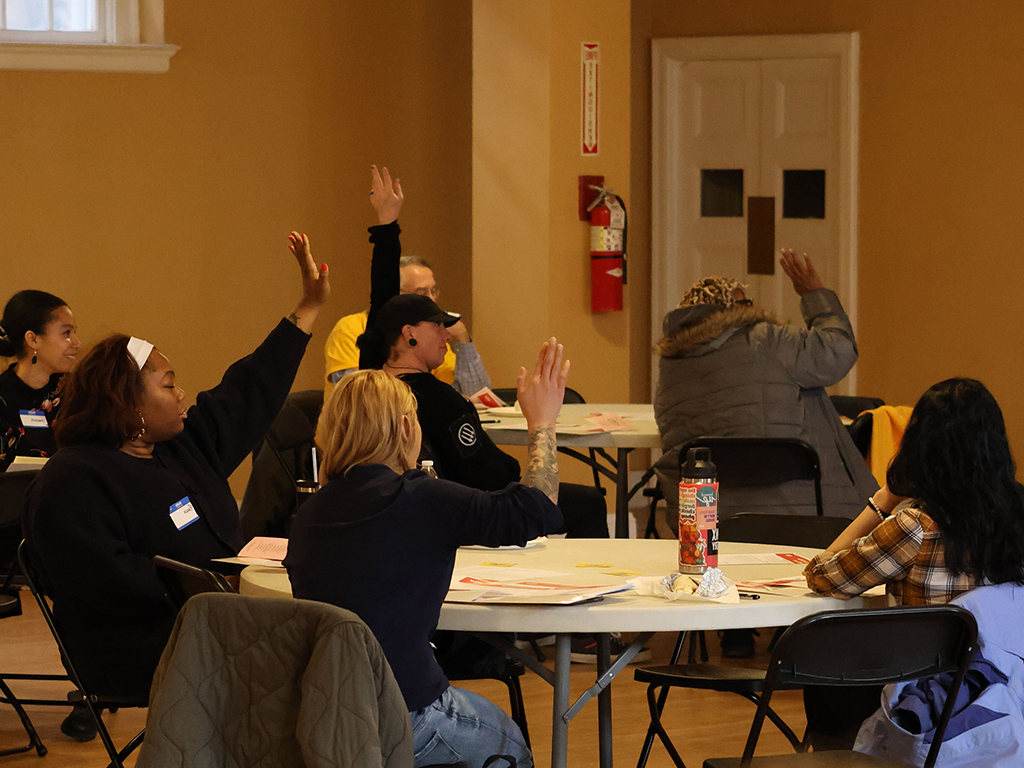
293, 319
542, 464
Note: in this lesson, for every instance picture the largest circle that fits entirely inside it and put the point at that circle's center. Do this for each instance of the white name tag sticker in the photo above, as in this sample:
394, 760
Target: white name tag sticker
33, 419
183, 514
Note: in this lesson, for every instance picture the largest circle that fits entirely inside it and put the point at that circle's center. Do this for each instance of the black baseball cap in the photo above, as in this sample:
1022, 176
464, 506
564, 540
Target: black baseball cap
411, 309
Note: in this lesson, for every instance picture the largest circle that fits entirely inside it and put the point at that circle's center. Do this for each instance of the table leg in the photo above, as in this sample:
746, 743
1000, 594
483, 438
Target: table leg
559, 724
622, 494
604, 701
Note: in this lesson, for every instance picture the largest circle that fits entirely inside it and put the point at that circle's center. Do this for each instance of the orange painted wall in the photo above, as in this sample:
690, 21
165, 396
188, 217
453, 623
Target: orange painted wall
159, 204
941, 104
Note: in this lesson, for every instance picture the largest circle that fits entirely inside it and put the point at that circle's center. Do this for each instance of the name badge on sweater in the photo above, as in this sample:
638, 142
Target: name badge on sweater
33, 419
183, 514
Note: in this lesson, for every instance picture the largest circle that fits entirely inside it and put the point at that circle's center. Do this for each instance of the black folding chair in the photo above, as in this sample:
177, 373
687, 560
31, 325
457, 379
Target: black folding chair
284, 468
182, 581
13, 486
759, 462
748, 682
10, 605
752, 462
852, 406
782, 530
95, 702
862, 648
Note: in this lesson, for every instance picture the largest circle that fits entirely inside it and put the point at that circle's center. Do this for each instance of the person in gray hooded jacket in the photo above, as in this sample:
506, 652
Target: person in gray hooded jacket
728, 368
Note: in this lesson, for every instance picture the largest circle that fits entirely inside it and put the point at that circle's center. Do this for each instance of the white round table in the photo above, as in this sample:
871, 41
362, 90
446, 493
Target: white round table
616, 613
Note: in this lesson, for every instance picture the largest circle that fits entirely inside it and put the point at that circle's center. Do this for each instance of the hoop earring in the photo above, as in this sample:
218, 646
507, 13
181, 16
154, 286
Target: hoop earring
142, 429
412, 342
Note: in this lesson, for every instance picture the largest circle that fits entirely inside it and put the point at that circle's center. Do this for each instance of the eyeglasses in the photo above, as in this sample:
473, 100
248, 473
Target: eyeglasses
431, 293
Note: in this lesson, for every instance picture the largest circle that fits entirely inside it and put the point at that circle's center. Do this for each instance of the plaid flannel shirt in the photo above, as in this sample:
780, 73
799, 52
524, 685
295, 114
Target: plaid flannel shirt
905, 552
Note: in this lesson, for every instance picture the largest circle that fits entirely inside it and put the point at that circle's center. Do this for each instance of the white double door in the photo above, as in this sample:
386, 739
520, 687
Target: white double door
757, 117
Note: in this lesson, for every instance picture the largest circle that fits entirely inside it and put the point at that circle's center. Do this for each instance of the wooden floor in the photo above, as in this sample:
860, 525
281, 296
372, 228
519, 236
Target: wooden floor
702, 724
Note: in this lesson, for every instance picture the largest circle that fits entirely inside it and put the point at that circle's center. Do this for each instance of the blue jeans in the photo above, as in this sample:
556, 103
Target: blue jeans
463, 728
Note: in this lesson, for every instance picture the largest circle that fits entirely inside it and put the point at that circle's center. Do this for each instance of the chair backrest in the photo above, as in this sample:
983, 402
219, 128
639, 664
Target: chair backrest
182, 581
889, 645
296, 421
13, 486
851, 406
12, 495
784, 530
761, 461
509, 395
38, 585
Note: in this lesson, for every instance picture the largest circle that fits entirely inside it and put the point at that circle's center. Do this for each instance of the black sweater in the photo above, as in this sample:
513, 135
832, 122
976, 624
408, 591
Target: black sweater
15, 396
95, 517
383, 546
452, 434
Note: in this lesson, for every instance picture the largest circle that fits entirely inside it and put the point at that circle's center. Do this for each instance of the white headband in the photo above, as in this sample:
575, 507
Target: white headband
139, 351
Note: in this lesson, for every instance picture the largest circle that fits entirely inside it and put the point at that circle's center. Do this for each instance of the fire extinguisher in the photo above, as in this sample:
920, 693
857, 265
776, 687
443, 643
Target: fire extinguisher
607, 251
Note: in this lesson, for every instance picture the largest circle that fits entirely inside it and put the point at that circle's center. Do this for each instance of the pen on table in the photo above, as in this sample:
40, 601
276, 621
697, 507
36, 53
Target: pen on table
749, 596
490, 421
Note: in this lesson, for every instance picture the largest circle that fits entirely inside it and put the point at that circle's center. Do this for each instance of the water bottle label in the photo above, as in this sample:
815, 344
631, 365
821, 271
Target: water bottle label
698, 526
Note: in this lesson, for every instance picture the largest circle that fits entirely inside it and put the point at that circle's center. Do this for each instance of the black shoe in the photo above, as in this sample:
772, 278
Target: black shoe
738, 643
79, 725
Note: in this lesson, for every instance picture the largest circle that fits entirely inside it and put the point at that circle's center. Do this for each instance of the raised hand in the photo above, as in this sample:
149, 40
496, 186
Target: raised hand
316, 286
802, 273
540, 395
385, 197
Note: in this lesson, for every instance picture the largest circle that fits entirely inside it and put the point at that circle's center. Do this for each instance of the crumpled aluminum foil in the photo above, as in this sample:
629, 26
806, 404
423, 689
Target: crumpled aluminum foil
712, 583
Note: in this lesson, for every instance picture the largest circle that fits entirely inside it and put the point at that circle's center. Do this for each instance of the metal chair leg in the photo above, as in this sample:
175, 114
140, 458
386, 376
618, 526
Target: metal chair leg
659, 729
645, 750
34, 742
517, 706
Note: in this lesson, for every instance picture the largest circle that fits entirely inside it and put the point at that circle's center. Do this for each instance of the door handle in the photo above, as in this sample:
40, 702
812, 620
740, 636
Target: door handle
760, 235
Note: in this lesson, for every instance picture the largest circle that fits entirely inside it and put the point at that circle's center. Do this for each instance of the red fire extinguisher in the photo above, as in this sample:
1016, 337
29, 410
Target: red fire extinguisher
607, 251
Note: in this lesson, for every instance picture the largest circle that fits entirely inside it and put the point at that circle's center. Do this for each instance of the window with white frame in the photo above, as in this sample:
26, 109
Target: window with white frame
97, 35
53, 21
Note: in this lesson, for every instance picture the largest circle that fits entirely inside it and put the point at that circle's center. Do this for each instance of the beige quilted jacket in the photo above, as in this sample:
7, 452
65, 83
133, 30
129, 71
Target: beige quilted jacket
268, 682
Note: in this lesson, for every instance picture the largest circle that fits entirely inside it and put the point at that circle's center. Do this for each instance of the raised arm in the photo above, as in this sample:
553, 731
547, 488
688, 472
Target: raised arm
386, 198
315, 285
540, 396
229, 419
822, 353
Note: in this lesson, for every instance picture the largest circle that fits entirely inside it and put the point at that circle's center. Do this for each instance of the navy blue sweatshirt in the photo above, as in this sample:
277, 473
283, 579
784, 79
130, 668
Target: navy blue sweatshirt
95, 517
383, 546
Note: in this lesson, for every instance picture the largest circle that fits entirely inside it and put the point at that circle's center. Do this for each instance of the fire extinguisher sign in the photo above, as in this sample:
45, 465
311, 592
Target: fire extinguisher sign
590, 57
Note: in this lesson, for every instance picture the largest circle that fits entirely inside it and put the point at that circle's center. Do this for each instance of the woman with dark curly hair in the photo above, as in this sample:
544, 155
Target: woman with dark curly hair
951, 516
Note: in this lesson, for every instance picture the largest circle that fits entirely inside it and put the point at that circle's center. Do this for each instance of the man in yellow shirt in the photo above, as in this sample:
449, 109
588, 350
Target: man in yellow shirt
462, 367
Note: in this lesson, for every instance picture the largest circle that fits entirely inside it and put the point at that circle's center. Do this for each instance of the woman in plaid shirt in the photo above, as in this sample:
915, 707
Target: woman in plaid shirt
951, 516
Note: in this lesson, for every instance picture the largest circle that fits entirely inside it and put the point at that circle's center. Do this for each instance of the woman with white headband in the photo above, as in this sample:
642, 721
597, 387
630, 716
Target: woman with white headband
138, 476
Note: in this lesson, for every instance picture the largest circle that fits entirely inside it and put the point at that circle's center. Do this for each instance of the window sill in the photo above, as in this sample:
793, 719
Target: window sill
86, 57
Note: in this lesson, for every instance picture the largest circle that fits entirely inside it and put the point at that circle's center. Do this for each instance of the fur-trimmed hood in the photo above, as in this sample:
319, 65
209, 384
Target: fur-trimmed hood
687, 328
